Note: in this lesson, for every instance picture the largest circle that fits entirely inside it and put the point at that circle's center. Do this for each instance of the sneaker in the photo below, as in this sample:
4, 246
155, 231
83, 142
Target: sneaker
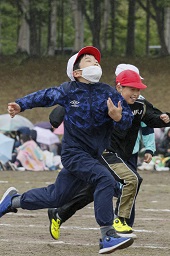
55, 223
6, 201
161, 169
121, 226
113, 242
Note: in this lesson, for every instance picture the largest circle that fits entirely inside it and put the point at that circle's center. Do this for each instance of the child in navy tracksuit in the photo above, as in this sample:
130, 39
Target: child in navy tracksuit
92, 109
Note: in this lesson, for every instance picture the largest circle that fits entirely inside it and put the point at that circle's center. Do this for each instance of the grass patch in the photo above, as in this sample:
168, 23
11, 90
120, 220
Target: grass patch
19, 77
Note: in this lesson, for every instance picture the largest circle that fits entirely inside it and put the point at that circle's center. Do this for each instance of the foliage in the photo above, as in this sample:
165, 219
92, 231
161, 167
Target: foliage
8, 28
10, 15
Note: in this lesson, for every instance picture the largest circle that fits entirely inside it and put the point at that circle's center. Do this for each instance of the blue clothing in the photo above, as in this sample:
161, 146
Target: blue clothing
87, 130
146, 134
86, 122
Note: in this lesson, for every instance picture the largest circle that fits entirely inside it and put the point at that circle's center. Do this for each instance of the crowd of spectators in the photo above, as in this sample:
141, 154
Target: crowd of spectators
28, 154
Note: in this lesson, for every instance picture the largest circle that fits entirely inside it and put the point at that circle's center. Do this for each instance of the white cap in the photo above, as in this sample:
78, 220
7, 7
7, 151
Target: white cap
86, 50
70, 65
123, 67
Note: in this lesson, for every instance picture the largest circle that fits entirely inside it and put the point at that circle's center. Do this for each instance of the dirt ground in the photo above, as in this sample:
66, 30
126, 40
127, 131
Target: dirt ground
27, 232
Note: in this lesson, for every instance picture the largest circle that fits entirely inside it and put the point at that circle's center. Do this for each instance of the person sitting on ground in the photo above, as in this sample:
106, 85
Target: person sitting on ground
164, 149
29, 155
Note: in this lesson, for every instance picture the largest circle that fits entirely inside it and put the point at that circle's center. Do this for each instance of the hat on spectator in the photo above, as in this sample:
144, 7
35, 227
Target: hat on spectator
131, 79
122, 67
24, 130
86, 50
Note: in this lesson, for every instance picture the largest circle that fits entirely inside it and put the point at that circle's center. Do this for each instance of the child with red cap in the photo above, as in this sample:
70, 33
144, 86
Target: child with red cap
92, 109
117, 157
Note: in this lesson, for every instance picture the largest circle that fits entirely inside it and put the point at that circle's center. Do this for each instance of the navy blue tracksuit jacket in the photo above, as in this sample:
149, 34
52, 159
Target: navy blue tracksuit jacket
87, 130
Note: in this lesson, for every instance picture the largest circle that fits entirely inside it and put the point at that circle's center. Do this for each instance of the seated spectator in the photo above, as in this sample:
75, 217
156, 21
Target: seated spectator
44, 147
164, 148
29, 155
159, 135
16, 135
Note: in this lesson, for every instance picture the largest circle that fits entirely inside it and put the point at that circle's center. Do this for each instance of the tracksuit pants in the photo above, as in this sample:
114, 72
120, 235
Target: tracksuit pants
85, 196
80, 169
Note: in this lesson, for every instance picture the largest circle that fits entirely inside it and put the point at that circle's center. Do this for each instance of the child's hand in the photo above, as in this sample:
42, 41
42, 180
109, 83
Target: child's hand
13, 109
114, 112
147, 158
165, 118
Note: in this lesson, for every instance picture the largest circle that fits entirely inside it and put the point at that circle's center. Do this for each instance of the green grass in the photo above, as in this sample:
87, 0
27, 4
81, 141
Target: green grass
19, 77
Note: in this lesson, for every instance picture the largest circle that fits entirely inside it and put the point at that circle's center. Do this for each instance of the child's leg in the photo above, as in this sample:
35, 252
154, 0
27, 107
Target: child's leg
130, 180
55, 195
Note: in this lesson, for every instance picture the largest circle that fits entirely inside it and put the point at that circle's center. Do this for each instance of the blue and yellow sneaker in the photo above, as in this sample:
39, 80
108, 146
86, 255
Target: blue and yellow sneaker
6, 201
113, 242
55, 223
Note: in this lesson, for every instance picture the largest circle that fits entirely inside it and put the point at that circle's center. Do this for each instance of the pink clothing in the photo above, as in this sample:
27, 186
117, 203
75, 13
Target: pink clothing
31, 156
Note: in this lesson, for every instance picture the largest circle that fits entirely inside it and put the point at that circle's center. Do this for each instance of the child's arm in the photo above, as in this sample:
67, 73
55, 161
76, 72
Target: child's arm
154, 118
42, 98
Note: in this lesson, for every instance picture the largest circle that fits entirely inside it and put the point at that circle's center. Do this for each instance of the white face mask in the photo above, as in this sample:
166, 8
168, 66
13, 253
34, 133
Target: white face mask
92, 73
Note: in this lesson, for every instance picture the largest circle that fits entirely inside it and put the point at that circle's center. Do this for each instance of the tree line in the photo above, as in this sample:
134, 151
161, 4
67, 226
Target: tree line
48, 27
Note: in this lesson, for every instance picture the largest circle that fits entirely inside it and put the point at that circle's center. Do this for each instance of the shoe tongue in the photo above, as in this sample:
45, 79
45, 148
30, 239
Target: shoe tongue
111, 232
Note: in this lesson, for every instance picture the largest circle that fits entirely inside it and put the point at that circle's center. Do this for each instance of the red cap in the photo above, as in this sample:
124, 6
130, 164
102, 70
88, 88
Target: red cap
91, 50
131, 79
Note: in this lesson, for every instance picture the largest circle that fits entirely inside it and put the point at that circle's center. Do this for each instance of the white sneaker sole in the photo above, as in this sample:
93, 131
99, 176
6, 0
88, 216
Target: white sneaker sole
134, 236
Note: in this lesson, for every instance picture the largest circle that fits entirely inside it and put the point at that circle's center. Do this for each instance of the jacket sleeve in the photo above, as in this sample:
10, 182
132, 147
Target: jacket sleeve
148, 138
44, 98
152, 116
56, 116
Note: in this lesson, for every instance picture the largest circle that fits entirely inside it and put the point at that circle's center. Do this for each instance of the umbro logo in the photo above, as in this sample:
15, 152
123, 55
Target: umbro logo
74, 103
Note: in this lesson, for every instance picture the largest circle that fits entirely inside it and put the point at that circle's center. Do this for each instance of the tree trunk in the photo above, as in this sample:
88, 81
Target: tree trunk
112, 4
96, 23
52, 27
130, 43
33, 30
167, 28
160, 25
78, 24
23, 44
147, 26
106, 16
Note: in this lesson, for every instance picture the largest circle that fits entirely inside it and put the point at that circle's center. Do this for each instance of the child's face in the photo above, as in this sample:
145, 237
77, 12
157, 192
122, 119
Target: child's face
130, 94
88, 60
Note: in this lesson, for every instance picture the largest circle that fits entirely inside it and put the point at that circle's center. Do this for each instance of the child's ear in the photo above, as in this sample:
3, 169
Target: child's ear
119, 87
77, 73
